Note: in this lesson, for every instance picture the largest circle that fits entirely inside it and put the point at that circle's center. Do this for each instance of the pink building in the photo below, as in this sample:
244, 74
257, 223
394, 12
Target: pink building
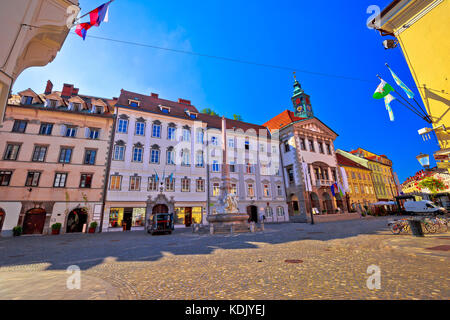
55, 149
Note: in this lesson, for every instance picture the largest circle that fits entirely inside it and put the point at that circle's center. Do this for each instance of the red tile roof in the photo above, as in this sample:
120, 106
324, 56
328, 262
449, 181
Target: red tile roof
344, 161
281, 120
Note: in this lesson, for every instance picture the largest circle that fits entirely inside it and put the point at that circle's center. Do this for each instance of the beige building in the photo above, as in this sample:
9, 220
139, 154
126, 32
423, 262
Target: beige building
54, 148
31, 34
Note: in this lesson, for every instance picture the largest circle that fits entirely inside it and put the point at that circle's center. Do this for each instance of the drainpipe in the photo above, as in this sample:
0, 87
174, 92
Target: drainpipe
108, 167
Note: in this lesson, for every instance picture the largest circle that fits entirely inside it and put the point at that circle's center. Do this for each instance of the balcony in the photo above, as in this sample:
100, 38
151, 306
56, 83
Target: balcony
323, 183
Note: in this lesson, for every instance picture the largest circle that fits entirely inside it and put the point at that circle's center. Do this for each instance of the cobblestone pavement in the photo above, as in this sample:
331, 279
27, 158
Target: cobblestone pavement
331, 261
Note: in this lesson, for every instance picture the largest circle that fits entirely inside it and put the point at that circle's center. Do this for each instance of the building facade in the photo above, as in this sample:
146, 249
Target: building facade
421, 27
167, 158
55, 148
31, 33
307, 158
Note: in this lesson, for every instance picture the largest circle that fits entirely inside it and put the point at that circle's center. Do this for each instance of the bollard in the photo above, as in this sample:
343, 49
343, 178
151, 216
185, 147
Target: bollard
416, 227
211, 229
252, 226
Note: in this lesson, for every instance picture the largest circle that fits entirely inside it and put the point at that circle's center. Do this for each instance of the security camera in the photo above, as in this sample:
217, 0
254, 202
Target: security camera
390, 44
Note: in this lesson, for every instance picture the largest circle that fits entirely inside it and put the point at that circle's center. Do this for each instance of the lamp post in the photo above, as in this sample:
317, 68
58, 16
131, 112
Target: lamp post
424, 160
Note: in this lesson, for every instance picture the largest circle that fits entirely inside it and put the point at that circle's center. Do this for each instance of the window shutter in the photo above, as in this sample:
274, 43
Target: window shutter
87, 132
63, 130
46, 103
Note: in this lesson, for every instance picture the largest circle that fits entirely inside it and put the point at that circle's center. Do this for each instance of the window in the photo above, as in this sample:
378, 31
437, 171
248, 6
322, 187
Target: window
86, 181
200, 183
135, 183
60, 180
249, 168
232, 166
133, 103
320, 147
119, 153
279, 191
216, 189
247, 144
39, 154
250, 191
328, 148
185, 158
165, 110
353, 175
52, 103
233, 189
152, 184
356, 189
359, 176
200, 135
11, 152
156, 131
280, 211
290, 173
215, 166
287, 146
269, 212
186, 135
199, 159
170, 184
137, 154
311, 145
154, 156
334, 174
98, 110
122, 126
32, 179
274, 149
266, 190
92, 133
46, 129
27, 100
65, 155
140, 129
185, 185
171, 131
19, 126
214, 141
302, 146
362, 188
170, 156
5, 177
116, 183
262, 148
71, 132
89, 157
76, 106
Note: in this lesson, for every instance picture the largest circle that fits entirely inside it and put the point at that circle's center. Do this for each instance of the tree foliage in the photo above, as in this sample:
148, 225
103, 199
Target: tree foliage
209, 111
237, 117
432, 184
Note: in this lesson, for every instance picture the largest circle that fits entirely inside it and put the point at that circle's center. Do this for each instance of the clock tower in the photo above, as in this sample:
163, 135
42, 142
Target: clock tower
301, 102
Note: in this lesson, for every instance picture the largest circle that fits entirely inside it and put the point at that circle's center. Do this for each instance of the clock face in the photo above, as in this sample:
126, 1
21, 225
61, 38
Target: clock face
300, 109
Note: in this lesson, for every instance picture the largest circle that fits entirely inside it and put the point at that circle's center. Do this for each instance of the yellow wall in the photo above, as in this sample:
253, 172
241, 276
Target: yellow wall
426, 47
360, 183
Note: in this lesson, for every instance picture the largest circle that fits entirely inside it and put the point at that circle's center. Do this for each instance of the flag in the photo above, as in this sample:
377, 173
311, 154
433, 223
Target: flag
399, 82
82, 29
382, 90
100, 14
334, 189
387, 101
156, 177
171, 177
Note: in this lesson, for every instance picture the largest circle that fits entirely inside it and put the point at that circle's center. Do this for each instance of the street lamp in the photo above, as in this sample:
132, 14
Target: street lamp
424, 160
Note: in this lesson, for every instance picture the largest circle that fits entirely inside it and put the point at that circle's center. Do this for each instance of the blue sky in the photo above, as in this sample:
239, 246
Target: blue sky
326, 37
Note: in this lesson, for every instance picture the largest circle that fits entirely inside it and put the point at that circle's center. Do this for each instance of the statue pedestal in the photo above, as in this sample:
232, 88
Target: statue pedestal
232, 222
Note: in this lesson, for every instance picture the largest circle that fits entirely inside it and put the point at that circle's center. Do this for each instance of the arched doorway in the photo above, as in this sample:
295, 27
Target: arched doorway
34, 221
252, 212
160, 208
315, 203
76, 220
294, 208
327, 203
2, 218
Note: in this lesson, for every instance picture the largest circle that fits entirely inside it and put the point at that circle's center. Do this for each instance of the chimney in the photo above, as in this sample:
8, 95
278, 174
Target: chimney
67, 90
49, 87
184, 101
154, 95
75, 91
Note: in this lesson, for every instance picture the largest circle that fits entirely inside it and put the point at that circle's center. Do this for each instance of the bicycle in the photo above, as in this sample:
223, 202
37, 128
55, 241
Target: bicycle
430, 225
399, 226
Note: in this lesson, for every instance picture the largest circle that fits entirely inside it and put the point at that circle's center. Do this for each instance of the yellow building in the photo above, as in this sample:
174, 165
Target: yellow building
421, 27
382, 174
360, 186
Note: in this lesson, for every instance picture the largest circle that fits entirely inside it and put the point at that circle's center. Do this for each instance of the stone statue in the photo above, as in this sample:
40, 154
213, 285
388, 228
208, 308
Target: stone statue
231, 205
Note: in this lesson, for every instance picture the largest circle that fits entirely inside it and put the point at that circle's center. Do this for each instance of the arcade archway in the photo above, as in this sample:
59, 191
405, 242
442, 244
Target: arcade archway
34, 221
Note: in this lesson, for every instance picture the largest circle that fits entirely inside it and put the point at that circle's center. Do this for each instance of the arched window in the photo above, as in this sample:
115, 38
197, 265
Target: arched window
185, 158
280, 211
269, 212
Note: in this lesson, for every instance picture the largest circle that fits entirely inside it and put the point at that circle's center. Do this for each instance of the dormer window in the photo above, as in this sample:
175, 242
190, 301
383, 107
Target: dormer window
193, 116
97, 109
76, 106
164, 109
27, 100
51, 103
133, 103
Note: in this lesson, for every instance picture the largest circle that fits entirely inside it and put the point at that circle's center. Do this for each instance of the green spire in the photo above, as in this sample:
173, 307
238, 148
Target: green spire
301, 102
297, 87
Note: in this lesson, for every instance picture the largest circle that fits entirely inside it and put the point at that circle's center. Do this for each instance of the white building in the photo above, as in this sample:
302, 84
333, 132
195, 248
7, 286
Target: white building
160, 158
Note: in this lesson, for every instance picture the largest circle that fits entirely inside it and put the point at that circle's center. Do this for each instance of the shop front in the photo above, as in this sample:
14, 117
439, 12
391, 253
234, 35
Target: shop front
186, 216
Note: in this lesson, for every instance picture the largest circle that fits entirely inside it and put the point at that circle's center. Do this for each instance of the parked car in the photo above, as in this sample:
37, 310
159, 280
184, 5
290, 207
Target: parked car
423, 207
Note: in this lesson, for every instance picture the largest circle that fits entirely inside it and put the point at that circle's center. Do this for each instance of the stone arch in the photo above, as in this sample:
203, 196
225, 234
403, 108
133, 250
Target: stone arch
160, 201
327, 202
315, 203
34, 221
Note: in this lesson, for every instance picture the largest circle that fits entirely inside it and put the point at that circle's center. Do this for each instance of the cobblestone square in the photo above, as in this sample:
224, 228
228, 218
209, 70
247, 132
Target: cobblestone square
285, 261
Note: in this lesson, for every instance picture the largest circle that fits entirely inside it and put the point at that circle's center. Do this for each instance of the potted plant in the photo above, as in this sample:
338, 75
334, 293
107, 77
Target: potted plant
17, 231
56, 227
92, 227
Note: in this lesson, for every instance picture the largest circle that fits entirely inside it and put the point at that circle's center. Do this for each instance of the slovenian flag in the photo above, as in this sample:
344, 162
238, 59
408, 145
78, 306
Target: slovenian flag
100, 14
82, 29
400, 83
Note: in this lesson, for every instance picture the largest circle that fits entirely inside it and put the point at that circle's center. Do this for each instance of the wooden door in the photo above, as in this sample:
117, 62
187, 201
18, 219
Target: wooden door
34, 221
128, 218
188, 216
